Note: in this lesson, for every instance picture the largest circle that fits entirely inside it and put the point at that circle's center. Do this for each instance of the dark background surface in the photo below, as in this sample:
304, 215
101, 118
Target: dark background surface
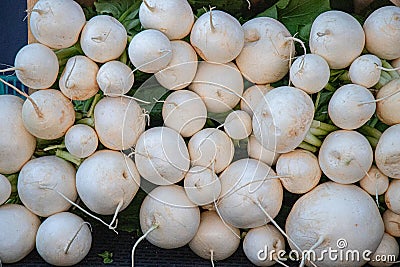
14, 32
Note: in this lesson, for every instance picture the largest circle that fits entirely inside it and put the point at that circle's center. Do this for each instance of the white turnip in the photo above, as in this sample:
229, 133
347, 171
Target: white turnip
365, 71
330, 35
387, 152
267, 48
387, 252
280, 126
103, 38
185, 112
63, 239
81, 140
173, 17
345, 156
119, 121
214, 239
265, 238
219, 85
150, 51
375, 182
202, 185
36, 66
382, 32
313, 222
161, 156
107, 181
300, 171
55, 116
211, 148
182, 68
115, 78
351, 106
310, 73
392, 223
249, 190
16, 143
39, 181
18, 232
78, 80
172, 216
256, 151
217, 37
252, 96
387, 109
57, 24
237, 125
392, 196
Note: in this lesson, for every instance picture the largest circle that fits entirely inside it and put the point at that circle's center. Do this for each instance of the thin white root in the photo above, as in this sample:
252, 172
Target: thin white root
75, 235
278, 227
380, 99
222, 219
80, 208
152, 228
115, 219
211, 21
212, 257
248, 4
127, 96
306, 256
35, 106
9, 69
387, 69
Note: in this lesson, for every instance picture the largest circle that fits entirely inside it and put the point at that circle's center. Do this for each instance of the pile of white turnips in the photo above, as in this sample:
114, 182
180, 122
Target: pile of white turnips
219, 202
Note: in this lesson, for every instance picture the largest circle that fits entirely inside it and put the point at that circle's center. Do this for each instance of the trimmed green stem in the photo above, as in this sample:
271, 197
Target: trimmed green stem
370, 131
68, 157
96, 99
133, 7
54, 147
394, 74
13, 178
86, 121
318, 132
330, 87
323, 126
308, 147
373, 141
312, 139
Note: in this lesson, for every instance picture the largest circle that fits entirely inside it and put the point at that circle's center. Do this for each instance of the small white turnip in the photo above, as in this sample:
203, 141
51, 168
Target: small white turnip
115, 78
387, 152
81, 140
237, 125
252, 96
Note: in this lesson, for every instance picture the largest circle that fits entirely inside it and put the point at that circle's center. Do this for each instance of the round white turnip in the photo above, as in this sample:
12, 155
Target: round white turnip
217, 36
81, 140
283, 118
392, 196
161, 156
182, 68
237, 125
174, 18
252, 96
16, 143
103, 38
387, 152
386, 253
345, 156
18, 232
375, 182
387, 109
330, 35
219, 85
5, 189
115, 78
57, 24
185, 112
365, 71
256, 151
392, 223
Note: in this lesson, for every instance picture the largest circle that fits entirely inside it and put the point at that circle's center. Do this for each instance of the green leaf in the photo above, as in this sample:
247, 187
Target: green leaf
295, 14
107, 257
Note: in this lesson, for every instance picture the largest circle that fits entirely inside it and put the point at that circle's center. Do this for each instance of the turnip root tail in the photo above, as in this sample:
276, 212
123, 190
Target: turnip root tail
152, 228
258, 203
380, 99
81, 209
151, 8
35, 106
212, 257
248, 4
211, 21
75, 235
115, 219
306, 256
10, 69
